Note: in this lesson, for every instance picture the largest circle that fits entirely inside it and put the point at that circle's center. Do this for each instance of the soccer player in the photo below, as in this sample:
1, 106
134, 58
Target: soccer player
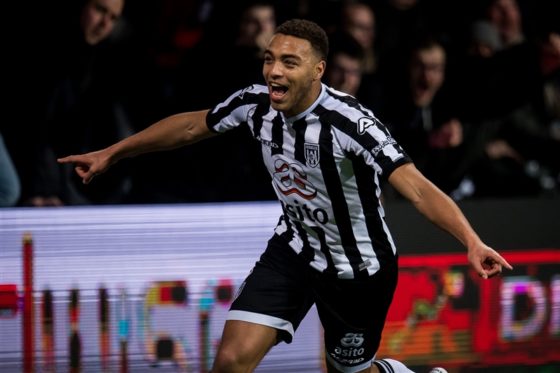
326, 154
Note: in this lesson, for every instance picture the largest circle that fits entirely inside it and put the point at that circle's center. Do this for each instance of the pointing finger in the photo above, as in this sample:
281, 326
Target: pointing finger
498, 258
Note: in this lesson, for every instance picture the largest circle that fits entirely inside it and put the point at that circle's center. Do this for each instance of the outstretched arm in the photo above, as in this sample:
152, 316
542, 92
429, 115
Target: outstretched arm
442, 211
169, 133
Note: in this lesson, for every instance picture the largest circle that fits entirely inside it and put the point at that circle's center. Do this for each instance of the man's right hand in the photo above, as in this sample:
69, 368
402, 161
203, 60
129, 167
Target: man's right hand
87, 165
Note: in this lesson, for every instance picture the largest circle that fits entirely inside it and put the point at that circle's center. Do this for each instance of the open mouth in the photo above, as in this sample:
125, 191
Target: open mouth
277, 91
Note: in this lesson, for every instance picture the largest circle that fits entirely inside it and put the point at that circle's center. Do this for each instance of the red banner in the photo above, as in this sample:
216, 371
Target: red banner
443, 312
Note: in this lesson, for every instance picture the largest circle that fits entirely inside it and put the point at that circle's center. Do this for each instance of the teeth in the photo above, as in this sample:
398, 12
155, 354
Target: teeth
278, 88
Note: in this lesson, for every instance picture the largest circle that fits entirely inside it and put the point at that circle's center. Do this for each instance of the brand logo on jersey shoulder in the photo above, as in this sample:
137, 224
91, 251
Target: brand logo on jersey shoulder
243, 91
388, 141
269, 143
364, 123
311, 154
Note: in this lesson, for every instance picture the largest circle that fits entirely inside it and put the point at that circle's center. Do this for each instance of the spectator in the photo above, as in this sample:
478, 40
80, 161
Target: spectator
358, 20
345, 64
421, 116
507, 87
238, 31
10, 187
235, 31
507, 17
484, 39
77, 95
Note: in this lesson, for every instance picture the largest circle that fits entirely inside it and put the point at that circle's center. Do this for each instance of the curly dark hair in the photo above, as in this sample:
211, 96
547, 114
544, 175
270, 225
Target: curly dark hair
308, 30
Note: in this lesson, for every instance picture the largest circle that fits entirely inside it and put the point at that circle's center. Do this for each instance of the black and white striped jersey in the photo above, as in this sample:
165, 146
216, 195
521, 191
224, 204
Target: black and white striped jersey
326, 165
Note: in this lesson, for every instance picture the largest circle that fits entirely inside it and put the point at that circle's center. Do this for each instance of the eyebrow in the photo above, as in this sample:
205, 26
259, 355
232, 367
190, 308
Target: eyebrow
283, 56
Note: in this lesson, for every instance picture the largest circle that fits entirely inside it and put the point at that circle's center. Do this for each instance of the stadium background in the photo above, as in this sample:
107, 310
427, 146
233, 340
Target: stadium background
160, 278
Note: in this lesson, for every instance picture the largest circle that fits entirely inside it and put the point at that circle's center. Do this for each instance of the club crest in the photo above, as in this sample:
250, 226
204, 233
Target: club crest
311, 154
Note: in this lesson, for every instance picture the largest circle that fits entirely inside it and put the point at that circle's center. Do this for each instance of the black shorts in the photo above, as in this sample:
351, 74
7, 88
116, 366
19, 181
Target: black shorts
282, 287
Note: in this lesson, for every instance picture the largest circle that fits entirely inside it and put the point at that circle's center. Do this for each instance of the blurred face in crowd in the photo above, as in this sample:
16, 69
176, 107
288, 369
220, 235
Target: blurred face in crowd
506, 16
403, 4
484, 39
344, 73
427, 73
359, 21
550, 54
481, 49
292, 70
257, 26
99, 18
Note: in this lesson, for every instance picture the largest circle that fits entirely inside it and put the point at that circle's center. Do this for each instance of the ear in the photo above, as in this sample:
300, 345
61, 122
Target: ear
319, 70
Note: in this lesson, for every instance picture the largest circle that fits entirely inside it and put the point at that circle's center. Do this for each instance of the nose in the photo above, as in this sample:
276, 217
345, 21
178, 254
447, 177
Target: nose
276, 70
108, 22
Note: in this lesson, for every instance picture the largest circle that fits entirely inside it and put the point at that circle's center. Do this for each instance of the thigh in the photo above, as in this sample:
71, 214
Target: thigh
243, 346
276, 293
353, 314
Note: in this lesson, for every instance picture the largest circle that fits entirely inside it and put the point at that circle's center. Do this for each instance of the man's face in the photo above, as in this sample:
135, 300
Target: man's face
344, 73
99, 18
258, 23
360, 23
504, 14
427, 72
292, 71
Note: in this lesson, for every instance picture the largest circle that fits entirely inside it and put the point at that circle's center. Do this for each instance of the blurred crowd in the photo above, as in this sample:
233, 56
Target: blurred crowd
469, 88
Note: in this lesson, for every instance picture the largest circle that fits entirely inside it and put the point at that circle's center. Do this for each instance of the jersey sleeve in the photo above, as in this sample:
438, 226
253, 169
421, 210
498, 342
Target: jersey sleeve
234, 110
387, 152
367, 137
